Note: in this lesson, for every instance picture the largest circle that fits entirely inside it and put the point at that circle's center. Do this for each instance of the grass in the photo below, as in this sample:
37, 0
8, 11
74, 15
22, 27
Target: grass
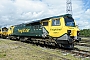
15, 50
2, 55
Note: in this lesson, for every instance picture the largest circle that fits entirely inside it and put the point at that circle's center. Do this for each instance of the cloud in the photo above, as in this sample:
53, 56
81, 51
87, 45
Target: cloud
14, 12
84, 24
81, 14
19, 11
84, 20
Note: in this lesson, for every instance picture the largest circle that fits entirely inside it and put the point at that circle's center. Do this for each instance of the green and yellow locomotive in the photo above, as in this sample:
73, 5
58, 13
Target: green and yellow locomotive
4, 32
58, 30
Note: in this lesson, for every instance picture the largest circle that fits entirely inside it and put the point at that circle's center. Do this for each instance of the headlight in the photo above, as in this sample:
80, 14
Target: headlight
68, 32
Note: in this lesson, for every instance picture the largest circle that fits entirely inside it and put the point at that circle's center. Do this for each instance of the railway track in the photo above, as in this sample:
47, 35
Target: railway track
81, 53
75, 52
85, 41
83, 44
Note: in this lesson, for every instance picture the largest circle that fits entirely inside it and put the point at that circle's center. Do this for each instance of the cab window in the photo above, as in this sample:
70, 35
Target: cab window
69, 21
55, 22
45, 23
4, 29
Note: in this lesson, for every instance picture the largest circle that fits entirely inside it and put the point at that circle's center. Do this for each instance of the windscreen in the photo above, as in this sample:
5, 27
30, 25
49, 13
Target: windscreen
69, 21
4, 29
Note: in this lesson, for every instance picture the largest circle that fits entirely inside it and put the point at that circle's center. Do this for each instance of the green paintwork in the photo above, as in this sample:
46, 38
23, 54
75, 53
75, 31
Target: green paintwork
28, 30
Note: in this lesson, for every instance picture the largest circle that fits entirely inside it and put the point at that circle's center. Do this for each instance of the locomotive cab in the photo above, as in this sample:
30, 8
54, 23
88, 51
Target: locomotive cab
71, 32
63, 30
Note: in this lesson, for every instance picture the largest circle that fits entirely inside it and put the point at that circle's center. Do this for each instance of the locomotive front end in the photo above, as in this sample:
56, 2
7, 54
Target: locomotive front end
74, 34
4, 31
72, 29
70, 33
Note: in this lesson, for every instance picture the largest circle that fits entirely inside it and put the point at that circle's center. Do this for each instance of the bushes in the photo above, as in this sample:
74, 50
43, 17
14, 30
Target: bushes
85, 32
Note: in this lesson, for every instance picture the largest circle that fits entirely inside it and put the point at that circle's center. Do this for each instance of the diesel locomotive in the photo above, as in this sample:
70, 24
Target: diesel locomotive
57, 30
4, 32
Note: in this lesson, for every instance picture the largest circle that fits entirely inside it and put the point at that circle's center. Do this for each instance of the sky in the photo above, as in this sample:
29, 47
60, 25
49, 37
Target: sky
13, 12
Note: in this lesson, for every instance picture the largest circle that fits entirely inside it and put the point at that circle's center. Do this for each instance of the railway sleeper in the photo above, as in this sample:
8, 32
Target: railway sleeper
84, 54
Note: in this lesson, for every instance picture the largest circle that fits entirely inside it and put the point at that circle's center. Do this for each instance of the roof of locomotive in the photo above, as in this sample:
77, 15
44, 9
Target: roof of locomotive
69, 15
35, 21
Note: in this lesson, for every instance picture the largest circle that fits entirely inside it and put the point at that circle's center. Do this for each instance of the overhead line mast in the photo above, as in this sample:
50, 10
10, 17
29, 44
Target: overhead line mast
69, 7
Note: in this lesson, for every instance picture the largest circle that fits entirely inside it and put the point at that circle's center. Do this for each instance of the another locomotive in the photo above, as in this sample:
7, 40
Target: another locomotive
4, 32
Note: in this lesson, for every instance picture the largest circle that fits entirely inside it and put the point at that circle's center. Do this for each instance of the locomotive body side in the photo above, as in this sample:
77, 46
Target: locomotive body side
27, 30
